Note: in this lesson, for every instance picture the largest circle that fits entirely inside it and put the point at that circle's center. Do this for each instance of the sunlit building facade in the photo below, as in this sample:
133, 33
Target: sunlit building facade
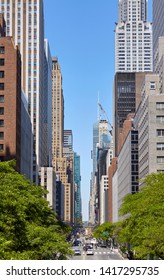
25, 23
133, 37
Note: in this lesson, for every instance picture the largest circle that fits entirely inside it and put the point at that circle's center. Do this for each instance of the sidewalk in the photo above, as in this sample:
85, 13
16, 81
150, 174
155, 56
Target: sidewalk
121, 254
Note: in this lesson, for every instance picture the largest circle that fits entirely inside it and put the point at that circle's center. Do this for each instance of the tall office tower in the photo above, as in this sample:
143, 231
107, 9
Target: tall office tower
25, 23
68, 154
101, 141
93, 174
133, 37
57, 112
158, 26
63, 166
77, 182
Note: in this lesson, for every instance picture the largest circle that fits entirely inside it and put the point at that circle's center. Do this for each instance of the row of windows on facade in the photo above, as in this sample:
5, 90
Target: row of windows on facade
133, 69
133, 41
19, 2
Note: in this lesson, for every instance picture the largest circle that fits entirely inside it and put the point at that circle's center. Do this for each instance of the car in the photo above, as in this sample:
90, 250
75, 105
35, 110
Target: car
76, 243
90, 252
87, 246
102, 245
77, 252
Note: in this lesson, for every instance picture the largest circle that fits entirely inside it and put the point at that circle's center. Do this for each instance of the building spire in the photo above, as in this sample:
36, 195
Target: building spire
98, 109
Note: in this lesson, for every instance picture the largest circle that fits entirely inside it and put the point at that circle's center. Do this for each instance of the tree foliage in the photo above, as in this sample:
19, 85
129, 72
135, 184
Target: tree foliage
29, 229
104, 231
143, 223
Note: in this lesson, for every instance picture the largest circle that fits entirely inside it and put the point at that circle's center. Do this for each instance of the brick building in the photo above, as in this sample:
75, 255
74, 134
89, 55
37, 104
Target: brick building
10, 99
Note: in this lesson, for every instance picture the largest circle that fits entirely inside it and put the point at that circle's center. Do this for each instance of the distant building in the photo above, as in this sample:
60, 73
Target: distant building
77, 182
59, 199
57, 112
61, 161
93, 174
47, 179
26, 140
103, 198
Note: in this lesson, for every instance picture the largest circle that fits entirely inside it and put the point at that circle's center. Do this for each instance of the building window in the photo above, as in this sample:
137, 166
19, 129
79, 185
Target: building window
2, 86
1, 110
1, 147
160, 159
1, 98
2, 74
152, 85
160, 132
160, 119
2, 49
1, 135
160, 105
1, 122
160, 146
2, 61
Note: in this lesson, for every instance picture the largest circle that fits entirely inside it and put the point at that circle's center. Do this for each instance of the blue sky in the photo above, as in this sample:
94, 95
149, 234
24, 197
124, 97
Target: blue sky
81, 35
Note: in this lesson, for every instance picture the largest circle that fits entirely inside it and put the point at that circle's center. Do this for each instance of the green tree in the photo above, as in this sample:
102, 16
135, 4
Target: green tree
104, 231
29, 229
143, 224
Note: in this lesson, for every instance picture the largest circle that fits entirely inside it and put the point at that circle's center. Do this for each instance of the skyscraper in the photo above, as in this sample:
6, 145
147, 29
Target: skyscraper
133, 59
77, 182
25, 23
57, 111
133, 37
62, 163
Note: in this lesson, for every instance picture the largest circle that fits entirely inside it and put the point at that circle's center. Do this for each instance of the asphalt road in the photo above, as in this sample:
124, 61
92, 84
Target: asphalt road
99, 254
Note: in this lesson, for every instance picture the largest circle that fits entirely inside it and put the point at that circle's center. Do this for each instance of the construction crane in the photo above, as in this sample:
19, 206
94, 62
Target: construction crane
101, 108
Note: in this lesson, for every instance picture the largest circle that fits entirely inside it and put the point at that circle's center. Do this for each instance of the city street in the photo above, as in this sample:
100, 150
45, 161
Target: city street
99, 254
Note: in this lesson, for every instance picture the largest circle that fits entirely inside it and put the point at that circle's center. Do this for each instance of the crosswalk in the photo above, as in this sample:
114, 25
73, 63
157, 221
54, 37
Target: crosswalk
103, 253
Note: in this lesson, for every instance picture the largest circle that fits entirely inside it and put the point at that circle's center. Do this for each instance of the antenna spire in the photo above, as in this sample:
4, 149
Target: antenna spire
98, 111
